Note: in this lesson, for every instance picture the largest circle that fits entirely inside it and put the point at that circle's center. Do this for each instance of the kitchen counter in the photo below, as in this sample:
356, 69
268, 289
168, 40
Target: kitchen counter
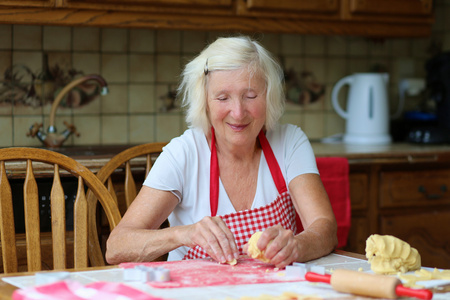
402, 152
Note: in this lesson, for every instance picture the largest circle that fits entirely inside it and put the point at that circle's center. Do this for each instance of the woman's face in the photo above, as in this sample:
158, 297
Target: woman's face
236, 104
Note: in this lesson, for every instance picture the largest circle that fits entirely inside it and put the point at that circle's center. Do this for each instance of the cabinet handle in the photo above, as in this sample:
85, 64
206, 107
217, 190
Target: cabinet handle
423, 190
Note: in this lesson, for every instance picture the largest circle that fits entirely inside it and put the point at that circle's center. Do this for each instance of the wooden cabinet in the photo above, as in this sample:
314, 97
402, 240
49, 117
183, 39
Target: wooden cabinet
29, 3
404, 198
371, 18
185, 7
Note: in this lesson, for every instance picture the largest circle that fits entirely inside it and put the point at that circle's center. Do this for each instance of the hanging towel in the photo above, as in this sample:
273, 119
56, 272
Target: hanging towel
334, 174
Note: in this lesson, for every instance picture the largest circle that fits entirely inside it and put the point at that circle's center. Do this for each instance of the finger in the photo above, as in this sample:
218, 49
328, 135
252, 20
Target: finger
225, 240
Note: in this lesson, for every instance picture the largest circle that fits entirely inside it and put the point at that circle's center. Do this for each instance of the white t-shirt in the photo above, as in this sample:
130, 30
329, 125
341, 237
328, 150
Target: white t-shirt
184, 169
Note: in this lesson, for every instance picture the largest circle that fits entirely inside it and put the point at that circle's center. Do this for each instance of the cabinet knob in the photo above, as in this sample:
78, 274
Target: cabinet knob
423, 190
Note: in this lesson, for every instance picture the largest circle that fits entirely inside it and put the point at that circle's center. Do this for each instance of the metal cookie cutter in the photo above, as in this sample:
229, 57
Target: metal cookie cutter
146, 274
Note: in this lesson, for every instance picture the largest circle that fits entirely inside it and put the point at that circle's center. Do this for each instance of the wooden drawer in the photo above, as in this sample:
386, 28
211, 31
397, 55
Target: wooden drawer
428, 232
422, 188
359, 190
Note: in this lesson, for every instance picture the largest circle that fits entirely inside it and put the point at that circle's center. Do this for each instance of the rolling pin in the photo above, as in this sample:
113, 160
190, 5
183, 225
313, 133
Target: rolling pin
372, 285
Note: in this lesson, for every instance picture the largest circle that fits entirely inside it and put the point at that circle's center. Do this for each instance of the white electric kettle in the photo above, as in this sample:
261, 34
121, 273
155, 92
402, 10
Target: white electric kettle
367, 112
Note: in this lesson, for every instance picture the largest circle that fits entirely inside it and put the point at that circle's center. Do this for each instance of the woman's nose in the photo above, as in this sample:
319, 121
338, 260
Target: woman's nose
237, 109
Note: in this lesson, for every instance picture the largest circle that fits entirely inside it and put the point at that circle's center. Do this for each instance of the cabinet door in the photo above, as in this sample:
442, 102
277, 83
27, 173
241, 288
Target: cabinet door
391, 7
297, 9
28, 3
174, 6
294, 5
392, 11
428, 232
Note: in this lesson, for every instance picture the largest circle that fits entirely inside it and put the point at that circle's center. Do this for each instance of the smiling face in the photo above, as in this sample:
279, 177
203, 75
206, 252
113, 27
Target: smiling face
236, 104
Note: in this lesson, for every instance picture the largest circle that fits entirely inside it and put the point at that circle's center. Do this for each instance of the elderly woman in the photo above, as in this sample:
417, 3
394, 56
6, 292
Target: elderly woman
234, 172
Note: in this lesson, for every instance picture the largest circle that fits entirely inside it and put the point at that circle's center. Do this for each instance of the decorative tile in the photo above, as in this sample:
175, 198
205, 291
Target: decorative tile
193, 42
21, 127
57, 38
358, 47
27, 37
142, 129
142, 68
292, 118
379, 47
336, 68
86, 39
168, 41
271, 42
291, 44
334, 124
168, 126
88, 63
114, 68
27, 63
337, 45
142, 98
6, 131
6, 36
142, 40
114, 130
116, 101
90, 108
314, 45
168, 68
114, 40
166, 100
314, 125
89, 128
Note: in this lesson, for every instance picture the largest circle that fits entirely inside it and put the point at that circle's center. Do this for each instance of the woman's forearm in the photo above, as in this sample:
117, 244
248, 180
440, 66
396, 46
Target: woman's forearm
319, 239
138, 245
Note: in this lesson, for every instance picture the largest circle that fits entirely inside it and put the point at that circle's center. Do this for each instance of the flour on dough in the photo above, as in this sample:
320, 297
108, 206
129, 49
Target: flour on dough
390, 255
253, 250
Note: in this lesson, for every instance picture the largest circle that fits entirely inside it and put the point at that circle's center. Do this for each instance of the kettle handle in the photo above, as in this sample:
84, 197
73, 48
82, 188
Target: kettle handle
334, 95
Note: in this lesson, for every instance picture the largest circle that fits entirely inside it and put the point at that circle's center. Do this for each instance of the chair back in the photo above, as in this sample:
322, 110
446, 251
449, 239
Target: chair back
55, 165
123, 193
334, 172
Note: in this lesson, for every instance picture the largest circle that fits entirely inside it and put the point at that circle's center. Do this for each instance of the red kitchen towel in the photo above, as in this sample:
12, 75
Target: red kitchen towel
334, 174
72, 290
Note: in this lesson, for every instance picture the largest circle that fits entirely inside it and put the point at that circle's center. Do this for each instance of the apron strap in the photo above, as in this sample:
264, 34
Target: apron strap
272, 162
214, 176
274, 168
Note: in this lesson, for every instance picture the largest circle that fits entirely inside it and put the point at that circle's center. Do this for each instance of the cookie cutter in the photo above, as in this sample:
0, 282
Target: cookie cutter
146, 274
300, 269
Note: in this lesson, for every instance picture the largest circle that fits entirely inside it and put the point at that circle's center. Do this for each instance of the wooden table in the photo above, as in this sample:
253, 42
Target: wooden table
222, 292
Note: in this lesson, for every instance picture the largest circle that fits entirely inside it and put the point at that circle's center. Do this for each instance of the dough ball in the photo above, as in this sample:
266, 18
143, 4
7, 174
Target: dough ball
390, 255
253, 250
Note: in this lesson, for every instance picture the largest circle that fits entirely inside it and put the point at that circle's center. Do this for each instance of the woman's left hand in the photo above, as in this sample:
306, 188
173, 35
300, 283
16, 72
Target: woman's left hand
279, 245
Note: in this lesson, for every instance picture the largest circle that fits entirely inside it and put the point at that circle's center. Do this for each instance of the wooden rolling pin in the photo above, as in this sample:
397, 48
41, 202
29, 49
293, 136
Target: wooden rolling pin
364, 284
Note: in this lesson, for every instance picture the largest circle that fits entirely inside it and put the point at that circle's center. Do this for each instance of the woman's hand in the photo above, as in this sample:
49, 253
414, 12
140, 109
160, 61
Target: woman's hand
213, 235
279, 245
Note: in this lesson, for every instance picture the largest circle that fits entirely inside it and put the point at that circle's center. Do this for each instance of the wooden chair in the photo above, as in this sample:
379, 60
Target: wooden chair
124, 194
14, 161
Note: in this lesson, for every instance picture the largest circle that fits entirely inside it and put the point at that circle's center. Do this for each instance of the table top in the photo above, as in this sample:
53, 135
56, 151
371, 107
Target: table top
337, 260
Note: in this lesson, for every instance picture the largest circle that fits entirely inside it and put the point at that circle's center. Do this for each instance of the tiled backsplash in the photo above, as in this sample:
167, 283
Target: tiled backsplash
142, 69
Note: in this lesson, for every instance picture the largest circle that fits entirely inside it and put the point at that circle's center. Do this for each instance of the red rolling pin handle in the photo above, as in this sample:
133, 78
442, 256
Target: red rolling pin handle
400, 290
314, 277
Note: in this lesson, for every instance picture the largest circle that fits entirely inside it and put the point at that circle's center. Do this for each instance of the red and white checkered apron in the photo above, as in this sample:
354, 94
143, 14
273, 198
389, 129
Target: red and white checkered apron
244, 223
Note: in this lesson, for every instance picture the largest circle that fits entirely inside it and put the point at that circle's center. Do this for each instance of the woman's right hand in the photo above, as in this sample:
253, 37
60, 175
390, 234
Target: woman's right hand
216, 239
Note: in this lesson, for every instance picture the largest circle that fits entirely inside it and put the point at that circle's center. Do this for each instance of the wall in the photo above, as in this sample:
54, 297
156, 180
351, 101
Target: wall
142, 67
